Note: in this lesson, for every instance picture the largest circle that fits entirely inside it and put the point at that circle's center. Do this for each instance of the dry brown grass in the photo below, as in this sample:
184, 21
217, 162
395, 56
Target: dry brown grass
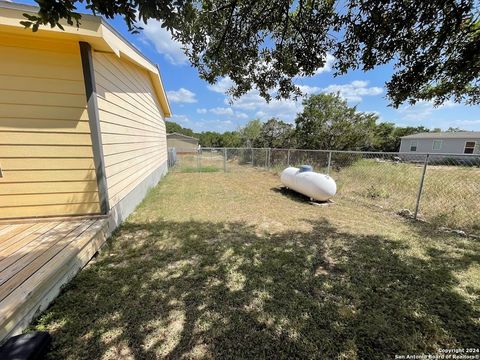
216, 265
449, 197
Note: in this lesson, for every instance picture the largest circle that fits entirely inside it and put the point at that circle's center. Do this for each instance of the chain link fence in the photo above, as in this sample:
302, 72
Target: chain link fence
441, 188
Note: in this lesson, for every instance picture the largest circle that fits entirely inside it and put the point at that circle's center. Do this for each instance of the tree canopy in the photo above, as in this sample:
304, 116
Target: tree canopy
250, 133
327, 122
265, 44
173, 127
277, 134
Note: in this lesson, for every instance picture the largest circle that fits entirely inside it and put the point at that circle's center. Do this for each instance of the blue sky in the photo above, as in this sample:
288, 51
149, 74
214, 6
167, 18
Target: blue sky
201, 107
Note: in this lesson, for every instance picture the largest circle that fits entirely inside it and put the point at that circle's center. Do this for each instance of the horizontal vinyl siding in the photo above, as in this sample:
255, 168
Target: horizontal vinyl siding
45, 145
48, 210
449, 146
131, 120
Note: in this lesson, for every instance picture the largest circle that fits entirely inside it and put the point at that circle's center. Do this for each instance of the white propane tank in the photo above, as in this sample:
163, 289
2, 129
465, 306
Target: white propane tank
316, 186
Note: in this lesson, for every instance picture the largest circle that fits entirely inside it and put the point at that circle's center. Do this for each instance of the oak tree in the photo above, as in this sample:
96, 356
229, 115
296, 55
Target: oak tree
327, 122
434, 46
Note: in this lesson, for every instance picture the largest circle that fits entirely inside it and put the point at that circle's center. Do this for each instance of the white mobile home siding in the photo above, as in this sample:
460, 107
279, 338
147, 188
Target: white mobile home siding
132, 125
450, 146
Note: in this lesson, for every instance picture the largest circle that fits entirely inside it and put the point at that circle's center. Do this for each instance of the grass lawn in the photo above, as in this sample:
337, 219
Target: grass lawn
449, 195
216, 265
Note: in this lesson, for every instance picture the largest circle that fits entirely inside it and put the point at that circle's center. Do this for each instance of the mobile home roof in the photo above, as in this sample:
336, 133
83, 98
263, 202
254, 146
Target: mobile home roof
182, 136
445, 135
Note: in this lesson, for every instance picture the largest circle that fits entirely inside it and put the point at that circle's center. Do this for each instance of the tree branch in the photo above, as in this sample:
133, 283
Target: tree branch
233, 5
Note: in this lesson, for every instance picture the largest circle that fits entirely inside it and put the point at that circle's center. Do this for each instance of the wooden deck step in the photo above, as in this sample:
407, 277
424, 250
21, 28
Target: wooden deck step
37, 281
12, 230
29, 252
18, 241
10, 279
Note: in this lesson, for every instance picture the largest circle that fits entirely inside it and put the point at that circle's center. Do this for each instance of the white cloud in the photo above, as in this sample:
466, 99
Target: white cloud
444, 124
162, 40
181, 95
287, 109
308, 90
422, 110
443, 116
181, 119
241, 115
214, 125
224, 111
198, 125
253, 102
469, 125
329, 61
466, 123
222, 85
225, 83
327, 67
354, 91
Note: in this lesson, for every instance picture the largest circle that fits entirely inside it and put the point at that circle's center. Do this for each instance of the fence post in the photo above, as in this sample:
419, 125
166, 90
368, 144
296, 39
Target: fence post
198, 160
269, 156
224, 159
329, 162
288, 157
253, 164
420, 188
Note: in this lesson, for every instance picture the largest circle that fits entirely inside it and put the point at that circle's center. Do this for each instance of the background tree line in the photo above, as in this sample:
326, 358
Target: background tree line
327, 122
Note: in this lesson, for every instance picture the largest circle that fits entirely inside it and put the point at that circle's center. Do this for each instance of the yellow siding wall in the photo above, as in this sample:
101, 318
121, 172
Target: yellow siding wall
45, 146
131, 122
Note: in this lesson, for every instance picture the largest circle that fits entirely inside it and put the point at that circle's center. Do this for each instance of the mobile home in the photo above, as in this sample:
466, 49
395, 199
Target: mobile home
460, 142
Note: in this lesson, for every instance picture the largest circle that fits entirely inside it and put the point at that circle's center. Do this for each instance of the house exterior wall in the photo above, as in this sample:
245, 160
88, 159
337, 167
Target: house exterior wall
133, 131
51, 143
449, 146
45, 143
181, 144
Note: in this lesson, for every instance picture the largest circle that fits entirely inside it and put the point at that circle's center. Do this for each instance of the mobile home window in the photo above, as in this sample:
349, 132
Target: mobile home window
469, 147
413, 145
437, 144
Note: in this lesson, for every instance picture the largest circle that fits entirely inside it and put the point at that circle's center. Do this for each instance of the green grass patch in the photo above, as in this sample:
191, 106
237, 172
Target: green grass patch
201, 169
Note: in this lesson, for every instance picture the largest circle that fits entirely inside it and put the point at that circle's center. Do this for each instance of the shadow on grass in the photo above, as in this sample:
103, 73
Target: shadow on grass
290, 194
208, 290
296, 196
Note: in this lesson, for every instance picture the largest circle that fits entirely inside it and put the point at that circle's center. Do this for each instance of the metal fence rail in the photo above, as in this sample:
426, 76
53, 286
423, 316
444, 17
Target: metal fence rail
442, 188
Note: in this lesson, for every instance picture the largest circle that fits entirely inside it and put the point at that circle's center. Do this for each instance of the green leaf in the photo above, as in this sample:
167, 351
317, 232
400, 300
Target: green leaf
27, 24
